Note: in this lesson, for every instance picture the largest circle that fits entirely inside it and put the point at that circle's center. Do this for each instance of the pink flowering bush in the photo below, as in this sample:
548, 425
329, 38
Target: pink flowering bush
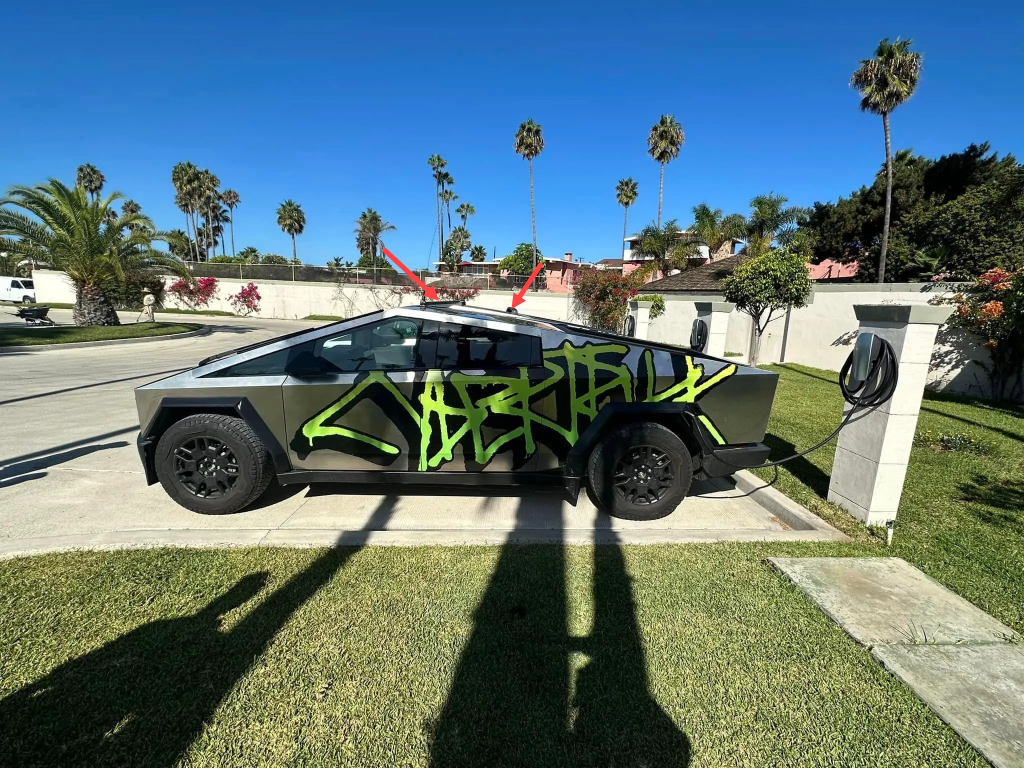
993, 310
194, 294
246, 301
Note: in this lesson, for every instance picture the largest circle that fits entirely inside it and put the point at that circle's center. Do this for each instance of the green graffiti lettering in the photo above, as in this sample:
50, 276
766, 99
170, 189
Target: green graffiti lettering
455, 405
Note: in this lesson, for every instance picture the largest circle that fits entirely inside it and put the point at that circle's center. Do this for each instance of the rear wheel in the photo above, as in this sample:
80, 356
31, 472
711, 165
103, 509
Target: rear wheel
213, 464
640, 471
26, 299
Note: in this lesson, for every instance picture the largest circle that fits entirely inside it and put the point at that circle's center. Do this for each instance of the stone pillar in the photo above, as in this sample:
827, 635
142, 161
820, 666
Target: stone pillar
716, 315
874, 448
640, 311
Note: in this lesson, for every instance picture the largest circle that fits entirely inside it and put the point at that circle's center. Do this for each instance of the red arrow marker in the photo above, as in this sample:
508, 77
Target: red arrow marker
517, 298
427, 290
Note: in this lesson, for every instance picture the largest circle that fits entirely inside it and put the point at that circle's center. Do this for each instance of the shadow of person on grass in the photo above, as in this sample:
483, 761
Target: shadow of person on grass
142, 699
511, 701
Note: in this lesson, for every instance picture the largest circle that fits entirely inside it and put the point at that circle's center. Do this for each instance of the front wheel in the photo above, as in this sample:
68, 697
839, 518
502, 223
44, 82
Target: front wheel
26, 299
641, 471
213, 464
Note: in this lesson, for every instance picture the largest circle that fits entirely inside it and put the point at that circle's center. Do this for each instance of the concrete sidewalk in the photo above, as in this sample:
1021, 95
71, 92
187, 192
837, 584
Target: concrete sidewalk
964, 664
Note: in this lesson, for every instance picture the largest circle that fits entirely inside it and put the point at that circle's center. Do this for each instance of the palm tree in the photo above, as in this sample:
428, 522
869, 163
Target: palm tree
89, 176
663, 144
231, 199
437, 165
464, 211
713, 229
885, 82
662, 248
185, 177
208, 199
460, 240
770, 218
625, 193
250, 255
529, 144
292, 221
478, 253
180, 244
369, 227
447, 198
61, 226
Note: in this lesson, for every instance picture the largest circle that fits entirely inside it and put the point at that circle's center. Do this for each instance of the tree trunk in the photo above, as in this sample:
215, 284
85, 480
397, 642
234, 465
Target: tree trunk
533, 220
295, 252
188, 231
661, 192
888, 198
232, 233
625, 218
93, 307
440, 231
755, 345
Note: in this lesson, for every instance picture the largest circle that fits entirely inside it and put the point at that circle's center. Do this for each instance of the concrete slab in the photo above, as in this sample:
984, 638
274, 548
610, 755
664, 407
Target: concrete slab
887, 600
978, 690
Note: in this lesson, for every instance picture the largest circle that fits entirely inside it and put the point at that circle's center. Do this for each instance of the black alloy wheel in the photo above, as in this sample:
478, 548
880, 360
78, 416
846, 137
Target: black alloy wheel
205, 467
643, 475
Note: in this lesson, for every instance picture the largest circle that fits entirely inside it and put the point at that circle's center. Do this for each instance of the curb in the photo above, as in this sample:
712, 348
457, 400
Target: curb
783, 507
201, 330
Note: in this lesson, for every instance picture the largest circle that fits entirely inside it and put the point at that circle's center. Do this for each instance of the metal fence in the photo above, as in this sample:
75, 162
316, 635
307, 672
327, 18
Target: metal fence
359, 276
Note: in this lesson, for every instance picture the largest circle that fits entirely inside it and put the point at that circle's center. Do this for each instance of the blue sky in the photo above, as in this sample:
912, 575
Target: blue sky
338, 105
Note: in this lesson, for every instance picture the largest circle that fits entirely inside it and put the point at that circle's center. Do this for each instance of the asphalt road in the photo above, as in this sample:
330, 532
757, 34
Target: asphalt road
70, 474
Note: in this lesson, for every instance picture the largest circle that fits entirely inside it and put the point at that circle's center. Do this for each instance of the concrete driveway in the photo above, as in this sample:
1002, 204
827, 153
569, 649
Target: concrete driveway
70, 474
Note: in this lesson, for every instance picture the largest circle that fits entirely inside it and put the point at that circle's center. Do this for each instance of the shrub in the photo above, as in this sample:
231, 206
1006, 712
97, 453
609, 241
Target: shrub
993, 310
657, 303
194, 294
602, 297
941, 441
445, 292
273, 258
246, 301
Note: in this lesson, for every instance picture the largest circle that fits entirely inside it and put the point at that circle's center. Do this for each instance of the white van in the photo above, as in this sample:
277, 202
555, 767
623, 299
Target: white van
20, 290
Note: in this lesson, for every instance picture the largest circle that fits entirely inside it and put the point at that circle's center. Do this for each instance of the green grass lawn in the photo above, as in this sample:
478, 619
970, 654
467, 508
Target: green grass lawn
209, 312
961, 518
328, 318
445, 656
17, 336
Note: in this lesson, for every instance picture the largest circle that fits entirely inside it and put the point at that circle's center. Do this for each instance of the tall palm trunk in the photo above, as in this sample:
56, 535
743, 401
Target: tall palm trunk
93, 307
625, 218
661, 192
195, 227
888, 198
188, 231
295, 252
533, 219
440, 231
232, 222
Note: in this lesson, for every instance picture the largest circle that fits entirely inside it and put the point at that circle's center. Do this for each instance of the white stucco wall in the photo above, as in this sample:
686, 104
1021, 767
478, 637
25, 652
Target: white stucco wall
820, 334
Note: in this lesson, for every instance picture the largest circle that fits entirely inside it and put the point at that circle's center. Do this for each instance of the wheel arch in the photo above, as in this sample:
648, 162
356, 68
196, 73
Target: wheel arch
174, 409
679, 418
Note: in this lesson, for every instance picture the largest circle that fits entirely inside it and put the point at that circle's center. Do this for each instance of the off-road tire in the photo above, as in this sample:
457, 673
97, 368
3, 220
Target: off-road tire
255, 468
625, 445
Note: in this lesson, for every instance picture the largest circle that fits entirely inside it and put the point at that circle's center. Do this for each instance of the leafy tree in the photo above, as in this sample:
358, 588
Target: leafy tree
520, 261
663, 144
601, 297
714, 229
292, 221
273, 258
464, 211
625, 195
885, 82
369, 227
770, 219
249, 255
765, 284
180, 244
185, 178
14, 264
91, 179
231, 199
437, 165
528, 145
61, 226
478, 253
662, 249
993, 310
376, 262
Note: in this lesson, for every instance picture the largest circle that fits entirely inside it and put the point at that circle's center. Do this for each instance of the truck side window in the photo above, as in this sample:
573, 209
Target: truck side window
472, 347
